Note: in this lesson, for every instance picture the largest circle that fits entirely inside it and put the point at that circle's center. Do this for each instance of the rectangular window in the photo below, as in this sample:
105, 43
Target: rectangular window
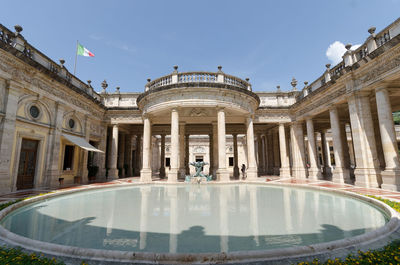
199, 158
167, 162
68, 157
231, 161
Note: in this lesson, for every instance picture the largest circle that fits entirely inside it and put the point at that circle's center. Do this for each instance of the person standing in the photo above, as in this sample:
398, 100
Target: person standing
243, 169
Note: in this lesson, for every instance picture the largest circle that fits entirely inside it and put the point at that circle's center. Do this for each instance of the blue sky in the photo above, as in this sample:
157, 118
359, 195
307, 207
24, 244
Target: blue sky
268, 41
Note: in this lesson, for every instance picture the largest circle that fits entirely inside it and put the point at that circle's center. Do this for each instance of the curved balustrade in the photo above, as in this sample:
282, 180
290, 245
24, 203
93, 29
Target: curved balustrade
198, 77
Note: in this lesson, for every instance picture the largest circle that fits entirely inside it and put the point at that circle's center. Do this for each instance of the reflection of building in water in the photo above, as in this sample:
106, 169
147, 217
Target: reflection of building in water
57, 130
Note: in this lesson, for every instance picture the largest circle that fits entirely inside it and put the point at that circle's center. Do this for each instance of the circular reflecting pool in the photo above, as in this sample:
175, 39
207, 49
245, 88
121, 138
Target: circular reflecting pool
195, 218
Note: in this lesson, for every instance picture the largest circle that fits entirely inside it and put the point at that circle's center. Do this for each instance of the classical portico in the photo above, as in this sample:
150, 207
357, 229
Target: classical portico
182, 104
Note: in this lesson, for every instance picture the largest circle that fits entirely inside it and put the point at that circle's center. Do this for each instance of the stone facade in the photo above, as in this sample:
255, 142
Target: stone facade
338, 127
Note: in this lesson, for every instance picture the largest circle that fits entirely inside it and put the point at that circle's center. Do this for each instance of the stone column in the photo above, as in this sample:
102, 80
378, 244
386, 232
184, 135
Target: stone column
263, 143
235, 157
367, 172
85, 154
162, 159
173, 173
271, 156
7, 134
252, 165
128, 154
222, 172
284, 171
109, 148
53, 149
121, 154
102, 156
113, 171
275, 137
391, 174
260, 153
346, 150
297, 139
327, 170
340, 173
182, 153
314, 171
186, 163
378, 143
211, 154
146, 173
266, 154
215, 148
138, 154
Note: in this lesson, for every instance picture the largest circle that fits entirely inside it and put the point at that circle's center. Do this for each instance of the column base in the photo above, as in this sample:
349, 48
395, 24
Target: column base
173, 175
182, 173
391, 179
341, 175
145, 175
112, 173
223, 175
162, 172
236, 173
367, 177
251, 174
299, 173
284, 172
314, 173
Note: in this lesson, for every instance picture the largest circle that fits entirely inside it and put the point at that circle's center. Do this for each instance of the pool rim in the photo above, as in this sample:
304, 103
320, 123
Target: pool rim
391, 226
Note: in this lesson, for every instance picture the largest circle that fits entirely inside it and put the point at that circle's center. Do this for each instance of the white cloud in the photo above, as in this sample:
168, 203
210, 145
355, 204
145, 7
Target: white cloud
336, 50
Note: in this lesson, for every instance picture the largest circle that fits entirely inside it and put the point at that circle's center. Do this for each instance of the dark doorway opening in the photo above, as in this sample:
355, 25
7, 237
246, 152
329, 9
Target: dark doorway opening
27, 164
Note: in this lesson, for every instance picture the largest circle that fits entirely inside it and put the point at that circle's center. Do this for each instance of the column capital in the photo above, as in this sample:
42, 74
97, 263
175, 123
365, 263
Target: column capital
145, 116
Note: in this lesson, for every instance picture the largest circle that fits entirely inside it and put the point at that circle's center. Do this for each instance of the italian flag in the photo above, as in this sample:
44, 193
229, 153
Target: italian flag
84, 52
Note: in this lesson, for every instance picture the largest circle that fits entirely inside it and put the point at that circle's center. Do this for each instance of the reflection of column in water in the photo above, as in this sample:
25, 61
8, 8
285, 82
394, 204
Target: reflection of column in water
110, 222
315, 224
287, 209
223, 217
173, 221
242, 196
144, 205
300, 208
254, 213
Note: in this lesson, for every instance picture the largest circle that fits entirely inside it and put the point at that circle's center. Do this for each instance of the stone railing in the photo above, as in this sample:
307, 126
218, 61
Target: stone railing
14, 42
354, 57
198, 77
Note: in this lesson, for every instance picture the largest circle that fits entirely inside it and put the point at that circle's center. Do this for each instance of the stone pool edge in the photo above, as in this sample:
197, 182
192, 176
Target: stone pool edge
275, 255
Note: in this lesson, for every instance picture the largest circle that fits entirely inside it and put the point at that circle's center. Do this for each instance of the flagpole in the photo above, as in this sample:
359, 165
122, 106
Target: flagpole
76, 55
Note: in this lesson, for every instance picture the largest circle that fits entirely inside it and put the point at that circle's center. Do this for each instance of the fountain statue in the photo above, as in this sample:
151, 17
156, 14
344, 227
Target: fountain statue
199, 176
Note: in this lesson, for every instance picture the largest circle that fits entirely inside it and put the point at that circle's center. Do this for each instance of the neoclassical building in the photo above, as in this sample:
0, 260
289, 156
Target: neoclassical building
56, 130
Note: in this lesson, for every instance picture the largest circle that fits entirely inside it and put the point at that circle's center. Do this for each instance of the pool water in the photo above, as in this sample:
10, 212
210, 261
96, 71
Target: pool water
195, 218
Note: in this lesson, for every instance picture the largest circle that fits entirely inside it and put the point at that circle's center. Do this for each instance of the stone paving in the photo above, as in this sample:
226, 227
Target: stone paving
392, 195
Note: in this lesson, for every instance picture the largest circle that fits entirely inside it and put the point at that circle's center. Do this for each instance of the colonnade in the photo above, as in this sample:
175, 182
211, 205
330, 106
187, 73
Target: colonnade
289, 149
120, 161
179, 151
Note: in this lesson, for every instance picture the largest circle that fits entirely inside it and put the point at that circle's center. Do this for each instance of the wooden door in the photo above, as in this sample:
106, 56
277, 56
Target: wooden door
27, 164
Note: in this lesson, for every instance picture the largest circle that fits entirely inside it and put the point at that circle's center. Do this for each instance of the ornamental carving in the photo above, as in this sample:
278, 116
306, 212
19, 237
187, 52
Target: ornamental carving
196, 112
